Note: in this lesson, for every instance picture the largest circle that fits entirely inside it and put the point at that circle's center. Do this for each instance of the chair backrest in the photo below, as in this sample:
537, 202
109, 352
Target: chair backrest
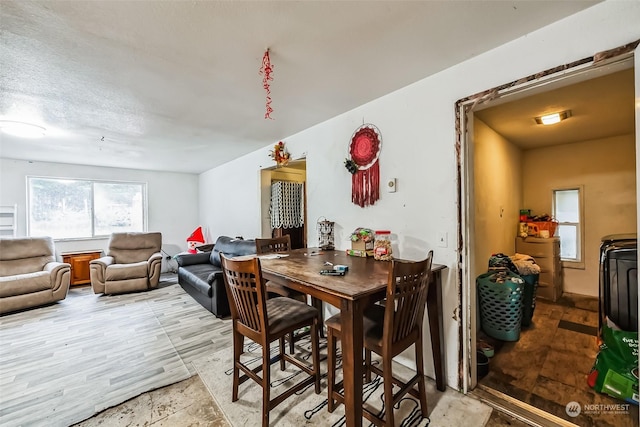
407, 288
127, 248
20, 255
245, 291
274, 245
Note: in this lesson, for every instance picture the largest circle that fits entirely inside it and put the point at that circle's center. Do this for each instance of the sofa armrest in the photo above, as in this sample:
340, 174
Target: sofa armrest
105, 261
192, 259
155, 257
60, 274
97, 270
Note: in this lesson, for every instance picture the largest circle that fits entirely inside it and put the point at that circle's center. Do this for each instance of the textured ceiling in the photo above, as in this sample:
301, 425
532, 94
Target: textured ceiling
174, 85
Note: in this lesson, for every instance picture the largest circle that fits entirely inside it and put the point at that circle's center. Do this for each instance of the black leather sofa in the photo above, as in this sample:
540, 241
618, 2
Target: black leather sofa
201, 274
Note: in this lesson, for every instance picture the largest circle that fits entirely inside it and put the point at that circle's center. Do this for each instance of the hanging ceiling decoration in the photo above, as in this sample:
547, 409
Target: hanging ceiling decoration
364, 150
266, 70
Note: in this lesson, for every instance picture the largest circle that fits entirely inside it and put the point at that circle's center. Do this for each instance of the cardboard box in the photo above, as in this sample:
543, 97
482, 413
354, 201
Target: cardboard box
362, 246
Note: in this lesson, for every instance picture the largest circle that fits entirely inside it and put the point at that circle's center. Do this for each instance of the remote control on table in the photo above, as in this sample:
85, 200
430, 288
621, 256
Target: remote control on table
332, 273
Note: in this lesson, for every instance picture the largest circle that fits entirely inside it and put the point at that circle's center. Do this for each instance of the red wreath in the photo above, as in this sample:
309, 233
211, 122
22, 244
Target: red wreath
365, 150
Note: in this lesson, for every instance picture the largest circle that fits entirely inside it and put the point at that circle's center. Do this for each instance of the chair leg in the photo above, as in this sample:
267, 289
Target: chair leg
281, 351
238, 344
292, 341
421, 386
266, 385
331, 369
367, 365
388, 391
315, 353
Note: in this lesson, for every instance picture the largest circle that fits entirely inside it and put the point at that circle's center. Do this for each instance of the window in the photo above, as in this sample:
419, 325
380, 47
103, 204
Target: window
567, 210
75, 209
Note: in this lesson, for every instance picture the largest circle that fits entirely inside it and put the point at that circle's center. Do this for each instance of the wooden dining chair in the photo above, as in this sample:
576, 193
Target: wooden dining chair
389, 329
282, 245
274, 246
264, 321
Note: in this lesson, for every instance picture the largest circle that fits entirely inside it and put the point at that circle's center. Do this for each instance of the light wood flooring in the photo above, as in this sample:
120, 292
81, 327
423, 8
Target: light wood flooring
64, 362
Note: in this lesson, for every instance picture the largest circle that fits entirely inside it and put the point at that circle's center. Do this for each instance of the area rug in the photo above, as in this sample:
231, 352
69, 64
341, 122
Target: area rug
63, 363
448, 408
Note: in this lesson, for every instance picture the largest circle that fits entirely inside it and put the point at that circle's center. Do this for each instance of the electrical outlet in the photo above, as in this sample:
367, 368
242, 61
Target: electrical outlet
442, 239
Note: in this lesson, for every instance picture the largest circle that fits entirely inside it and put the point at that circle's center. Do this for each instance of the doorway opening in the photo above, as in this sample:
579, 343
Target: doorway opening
505, 167
283, 202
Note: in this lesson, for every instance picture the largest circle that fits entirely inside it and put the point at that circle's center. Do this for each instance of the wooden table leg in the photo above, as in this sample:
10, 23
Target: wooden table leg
352, 341
434, 307
317, 303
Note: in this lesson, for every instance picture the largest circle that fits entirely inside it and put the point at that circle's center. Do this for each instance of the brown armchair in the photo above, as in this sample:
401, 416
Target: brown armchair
132, 263
30, 276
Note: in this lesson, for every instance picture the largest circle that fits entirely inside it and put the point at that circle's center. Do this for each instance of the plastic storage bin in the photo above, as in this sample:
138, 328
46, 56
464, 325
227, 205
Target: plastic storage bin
501, 295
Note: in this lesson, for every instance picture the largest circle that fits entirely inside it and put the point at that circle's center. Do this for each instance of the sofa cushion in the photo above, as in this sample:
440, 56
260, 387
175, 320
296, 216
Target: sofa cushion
199, 276
126, 271
25, 254
24, 283
231, 248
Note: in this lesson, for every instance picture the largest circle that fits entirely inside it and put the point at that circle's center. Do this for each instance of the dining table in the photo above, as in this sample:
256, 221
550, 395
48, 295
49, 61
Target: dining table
364, 283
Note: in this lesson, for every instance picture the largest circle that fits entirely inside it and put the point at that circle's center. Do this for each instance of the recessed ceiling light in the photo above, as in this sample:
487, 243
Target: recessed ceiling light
552, 119
22, 129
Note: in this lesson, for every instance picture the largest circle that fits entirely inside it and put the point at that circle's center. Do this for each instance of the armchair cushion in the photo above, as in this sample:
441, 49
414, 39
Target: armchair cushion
127, 271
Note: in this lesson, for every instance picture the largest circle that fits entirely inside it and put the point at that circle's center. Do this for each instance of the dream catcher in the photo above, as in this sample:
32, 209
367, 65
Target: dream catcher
364, 150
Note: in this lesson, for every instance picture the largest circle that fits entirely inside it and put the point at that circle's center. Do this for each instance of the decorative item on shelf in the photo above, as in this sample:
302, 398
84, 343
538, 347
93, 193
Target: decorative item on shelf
266, 70
196, 239
364, 149
325, 234
279, 154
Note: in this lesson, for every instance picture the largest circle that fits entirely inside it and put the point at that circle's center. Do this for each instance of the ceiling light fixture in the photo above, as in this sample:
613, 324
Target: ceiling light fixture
552, 119
22, 129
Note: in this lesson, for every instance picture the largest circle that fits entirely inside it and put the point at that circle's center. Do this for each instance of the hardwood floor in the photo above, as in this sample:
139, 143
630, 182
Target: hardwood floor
65, 362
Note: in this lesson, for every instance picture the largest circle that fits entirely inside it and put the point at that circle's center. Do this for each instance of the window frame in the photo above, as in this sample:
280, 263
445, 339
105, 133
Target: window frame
568, 263
94, 236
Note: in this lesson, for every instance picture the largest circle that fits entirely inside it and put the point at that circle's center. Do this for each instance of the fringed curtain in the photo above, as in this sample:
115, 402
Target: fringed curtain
287, 204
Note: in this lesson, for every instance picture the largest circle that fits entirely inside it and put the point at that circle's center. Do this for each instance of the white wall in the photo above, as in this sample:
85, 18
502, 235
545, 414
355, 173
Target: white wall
172, 198
606, 170
498, 194
418, 148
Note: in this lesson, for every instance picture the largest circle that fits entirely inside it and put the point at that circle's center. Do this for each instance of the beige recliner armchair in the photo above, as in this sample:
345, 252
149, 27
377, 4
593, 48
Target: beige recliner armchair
132, 263
29, 273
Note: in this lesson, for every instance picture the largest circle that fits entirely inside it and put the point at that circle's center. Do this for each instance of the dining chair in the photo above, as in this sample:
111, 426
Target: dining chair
264, 321
282, 245
389, 330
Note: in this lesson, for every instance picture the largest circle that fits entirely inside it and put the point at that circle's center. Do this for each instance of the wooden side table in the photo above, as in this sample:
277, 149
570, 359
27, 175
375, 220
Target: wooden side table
79, 260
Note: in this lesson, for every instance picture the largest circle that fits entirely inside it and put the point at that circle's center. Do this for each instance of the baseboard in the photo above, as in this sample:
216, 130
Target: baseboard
519, 410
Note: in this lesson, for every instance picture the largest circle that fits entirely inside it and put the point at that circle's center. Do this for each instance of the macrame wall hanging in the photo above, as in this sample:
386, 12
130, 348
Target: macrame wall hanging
266, 71
364, 150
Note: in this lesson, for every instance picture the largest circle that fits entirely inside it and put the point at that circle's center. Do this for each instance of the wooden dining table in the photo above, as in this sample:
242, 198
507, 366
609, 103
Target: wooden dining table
364, 283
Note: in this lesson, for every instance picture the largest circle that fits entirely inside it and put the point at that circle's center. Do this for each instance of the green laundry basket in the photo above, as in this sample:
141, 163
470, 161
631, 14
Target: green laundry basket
501, 296
529, 297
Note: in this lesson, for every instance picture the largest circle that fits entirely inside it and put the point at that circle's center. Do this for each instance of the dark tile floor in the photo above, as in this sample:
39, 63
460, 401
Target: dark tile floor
548, 366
